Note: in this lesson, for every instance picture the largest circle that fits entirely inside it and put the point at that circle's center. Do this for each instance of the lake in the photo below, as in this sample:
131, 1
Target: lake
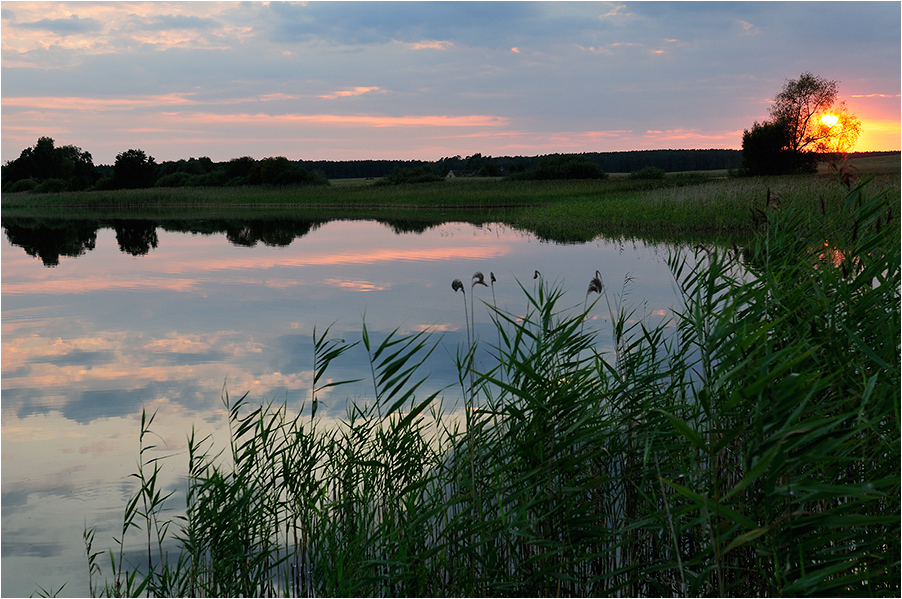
102, 320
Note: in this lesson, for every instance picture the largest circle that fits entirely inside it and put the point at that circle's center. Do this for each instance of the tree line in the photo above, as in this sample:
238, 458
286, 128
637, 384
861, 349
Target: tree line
46, 167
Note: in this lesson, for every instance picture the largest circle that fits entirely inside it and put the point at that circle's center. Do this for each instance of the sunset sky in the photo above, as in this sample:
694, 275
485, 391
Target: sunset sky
424, 80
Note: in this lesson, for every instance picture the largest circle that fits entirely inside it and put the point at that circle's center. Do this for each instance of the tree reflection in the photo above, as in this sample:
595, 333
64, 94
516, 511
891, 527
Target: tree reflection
274, 233
136, 237
48, 239
49, 242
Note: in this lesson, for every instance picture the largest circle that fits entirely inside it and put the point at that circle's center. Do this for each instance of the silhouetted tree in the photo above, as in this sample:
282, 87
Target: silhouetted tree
807, 125
45, 167
134, 169
802, 105
238, 168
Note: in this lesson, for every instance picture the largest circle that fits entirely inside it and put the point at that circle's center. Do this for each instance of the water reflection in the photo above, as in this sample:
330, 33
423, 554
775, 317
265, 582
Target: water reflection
50, 239
160, 314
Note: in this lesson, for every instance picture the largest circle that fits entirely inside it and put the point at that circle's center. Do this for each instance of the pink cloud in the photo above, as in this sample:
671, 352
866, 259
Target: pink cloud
78, 103
431, 45
680, 133
357, 91
475, 120
354, 285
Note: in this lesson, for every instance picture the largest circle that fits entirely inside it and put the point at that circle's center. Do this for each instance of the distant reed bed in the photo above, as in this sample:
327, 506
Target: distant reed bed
748, 448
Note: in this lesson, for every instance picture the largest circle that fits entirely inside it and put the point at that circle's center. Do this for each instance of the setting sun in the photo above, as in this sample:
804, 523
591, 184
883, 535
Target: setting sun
829, 119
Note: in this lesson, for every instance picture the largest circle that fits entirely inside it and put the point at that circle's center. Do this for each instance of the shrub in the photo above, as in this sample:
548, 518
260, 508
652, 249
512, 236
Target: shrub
173, 180
23, 185
105, 184
297, 175
564, 166
52, 186
766, 151
405, 176
649, 172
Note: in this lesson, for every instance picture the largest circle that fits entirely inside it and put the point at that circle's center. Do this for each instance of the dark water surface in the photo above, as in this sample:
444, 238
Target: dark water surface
100, 320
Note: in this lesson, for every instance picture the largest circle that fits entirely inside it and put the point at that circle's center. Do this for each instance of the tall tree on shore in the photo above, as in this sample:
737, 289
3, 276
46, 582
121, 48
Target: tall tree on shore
815, 121
807, 125
134, 169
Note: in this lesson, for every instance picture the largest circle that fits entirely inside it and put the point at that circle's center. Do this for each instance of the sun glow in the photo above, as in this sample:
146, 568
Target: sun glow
829, 119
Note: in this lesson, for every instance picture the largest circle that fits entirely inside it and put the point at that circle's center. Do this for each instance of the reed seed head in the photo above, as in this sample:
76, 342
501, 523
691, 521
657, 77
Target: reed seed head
492, 277
537, 275
479, 279
456, 285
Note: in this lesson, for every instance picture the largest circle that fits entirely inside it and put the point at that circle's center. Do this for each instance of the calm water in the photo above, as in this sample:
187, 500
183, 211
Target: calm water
100, 323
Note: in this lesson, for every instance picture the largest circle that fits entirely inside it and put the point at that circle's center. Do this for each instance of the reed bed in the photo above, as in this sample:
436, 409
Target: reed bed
749, 448
726, 208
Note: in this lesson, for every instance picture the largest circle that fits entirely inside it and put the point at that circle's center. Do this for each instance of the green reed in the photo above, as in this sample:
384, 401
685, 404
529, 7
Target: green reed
748, 447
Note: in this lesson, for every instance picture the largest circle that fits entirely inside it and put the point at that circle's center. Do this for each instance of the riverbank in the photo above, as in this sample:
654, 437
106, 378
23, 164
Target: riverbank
685, 206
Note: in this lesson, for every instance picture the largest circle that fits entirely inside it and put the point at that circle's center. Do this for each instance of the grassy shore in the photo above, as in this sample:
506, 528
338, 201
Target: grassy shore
686, 207
749, 447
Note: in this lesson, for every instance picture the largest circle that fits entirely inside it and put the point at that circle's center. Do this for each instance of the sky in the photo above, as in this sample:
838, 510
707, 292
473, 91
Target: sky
426, 80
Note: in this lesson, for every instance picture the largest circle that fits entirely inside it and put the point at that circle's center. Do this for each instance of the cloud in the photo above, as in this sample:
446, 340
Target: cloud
474, 72
748, 28
431, 45
170, 22
90, 284
80, 357
357, 91
63, 27
94, 104
360, 120
354, 285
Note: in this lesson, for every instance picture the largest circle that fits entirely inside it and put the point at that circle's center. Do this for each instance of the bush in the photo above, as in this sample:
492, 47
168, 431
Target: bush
22, 185
765, 151
564, 166
406, 176
52, 186
215, 178
297, 175
105, 184
237, 182
173, 180
649, 172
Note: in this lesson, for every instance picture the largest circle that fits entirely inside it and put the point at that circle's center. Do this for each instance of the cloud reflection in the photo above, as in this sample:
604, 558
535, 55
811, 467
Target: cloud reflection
88, 344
